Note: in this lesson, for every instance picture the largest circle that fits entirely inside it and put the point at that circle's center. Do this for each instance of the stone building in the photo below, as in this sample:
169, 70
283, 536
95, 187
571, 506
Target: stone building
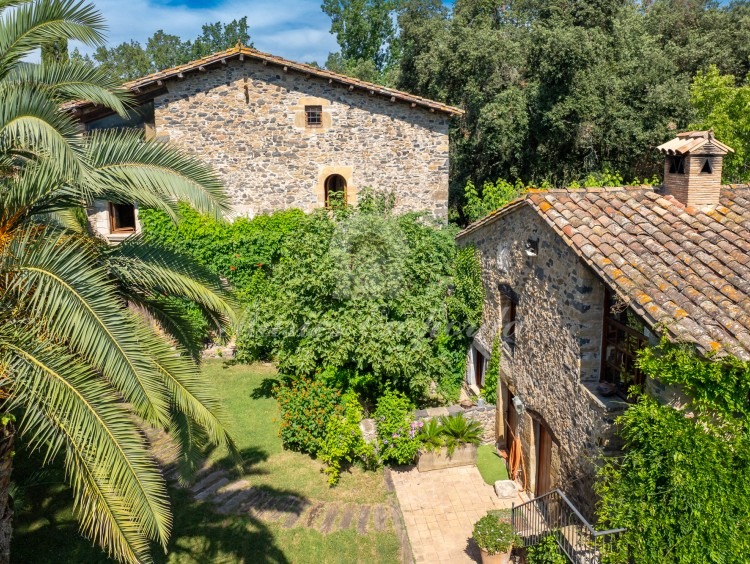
577, 281
287, 135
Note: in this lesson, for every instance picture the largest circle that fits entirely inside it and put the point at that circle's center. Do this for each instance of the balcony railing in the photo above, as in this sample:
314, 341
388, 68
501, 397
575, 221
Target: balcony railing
553, 514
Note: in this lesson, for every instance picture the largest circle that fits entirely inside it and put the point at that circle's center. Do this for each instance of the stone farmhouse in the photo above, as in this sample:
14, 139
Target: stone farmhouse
577, 281
287, 135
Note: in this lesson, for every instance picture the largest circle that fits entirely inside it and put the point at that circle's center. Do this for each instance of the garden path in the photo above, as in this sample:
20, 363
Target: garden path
237, 496
440, 508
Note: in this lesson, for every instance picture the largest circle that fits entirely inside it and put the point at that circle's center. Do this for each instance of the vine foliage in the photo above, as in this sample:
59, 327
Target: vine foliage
682, 486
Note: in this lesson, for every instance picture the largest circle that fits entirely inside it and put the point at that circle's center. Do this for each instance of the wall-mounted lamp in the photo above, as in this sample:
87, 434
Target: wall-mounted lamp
518, 405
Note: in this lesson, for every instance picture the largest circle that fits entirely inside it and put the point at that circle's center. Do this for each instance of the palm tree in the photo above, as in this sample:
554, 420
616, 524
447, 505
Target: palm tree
84, 357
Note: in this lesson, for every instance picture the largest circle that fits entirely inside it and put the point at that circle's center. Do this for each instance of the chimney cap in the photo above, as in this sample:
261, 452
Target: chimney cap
690, 141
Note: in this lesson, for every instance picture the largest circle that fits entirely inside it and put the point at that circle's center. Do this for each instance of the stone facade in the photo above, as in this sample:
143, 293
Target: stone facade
248, 120
554, 362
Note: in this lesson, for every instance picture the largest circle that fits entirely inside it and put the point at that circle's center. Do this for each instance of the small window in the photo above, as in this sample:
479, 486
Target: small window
677, 165
314, 116
335, 190
122, 218
479, 367
508, 314
707, 167
532, 247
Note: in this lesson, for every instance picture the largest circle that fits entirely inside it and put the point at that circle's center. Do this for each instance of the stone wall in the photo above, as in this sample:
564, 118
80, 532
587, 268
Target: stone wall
557, 351
247, 119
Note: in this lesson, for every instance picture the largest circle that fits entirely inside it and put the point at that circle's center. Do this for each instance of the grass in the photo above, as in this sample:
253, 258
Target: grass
46, 531
491, 465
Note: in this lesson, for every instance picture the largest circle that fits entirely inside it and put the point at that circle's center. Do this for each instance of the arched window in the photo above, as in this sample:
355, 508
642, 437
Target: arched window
335, 187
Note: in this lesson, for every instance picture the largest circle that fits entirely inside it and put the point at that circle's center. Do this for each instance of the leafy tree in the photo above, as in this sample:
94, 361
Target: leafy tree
81, 365
366, 34
366, 299
682, 485
131, 60
724, 107
55, 52
127, 60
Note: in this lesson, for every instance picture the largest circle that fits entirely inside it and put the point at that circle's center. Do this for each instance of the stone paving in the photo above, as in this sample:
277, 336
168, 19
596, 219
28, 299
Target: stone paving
440, 508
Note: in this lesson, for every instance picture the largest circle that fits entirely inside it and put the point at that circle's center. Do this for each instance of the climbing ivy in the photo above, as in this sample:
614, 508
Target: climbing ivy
682, 485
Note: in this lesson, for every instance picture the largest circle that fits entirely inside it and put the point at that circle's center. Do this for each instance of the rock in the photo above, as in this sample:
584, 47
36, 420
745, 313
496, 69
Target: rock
506, 489
367, 426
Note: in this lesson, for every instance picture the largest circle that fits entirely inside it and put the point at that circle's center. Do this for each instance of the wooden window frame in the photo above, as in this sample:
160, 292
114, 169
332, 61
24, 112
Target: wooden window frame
508, 310
620, 346
112, 220
314, 117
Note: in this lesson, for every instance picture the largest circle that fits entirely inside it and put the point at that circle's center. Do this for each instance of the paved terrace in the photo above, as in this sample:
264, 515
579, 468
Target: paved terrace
440, 508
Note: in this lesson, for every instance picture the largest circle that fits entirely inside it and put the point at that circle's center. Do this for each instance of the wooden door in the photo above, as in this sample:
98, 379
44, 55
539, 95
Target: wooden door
543, 461
511, 420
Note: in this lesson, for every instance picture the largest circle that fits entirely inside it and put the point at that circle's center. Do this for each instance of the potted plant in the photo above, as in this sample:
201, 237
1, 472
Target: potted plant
495, 538
450, 442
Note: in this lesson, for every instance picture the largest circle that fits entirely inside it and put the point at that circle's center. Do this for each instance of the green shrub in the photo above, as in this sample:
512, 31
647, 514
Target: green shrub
493, 535
368, 300
234, 250
307, 407
546, 552
396, 430
457, 431
682, 484
343, 440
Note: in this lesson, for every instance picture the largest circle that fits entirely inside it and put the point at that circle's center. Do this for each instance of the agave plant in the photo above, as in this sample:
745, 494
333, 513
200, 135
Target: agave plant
457, 431
84, 361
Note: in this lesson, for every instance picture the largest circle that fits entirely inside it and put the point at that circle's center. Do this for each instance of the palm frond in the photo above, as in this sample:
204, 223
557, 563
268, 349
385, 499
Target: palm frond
71, 81
190, 392
30, 24
66, 403
31, 121
124, 160
140, 264
61, 286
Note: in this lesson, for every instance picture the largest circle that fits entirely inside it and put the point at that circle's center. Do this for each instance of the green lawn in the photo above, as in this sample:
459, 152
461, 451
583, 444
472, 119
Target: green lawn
491, 465
45, 530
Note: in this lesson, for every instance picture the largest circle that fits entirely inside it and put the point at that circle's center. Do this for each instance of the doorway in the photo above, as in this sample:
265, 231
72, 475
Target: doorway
543, 482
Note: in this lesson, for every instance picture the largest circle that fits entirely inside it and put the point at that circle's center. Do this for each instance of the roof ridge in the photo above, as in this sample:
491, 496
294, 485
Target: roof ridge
242, 51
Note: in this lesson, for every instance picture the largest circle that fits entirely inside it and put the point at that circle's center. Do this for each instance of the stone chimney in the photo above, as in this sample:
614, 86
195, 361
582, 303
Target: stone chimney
692, 169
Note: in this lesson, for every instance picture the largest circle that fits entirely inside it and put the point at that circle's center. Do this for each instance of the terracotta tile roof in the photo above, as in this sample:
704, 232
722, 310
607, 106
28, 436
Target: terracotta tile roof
690, 141
679, 267
240, 52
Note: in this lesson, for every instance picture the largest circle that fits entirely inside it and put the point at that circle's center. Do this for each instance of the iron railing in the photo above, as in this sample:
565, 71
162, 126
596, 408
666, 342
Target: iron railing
553, 514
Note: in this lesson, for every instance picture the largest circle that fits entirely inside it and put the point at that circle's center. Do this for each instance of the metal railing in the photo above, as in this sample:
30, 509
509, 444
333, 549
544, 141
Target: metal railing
554, 514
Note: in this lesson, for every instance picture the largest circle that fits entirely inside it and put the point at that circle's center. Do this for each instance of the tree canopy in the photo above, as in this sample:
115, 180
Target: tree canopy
130, 60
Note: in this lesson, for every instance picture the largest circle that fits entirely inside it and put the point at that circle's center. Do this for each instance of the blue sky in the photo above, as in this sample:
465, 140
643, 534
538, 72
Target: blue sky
295, 29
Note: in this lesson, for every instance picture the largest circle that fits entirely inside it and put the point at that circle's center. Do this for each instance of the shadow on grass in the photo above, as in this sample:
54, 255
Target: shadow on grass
265, 389
46, 530
203, 535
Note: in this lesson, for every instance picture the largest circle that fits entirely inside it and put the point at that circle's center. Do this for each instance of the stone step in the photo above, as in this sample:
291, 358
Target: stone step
210, 490
346, 516
326, 525
313, 514
379, 518
255, 510
207, 481
364, 518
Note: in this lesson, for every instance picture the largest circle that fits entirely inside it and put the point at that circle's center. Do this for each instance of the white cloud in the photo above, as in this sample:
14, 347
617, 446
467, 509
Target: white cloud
295, 29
